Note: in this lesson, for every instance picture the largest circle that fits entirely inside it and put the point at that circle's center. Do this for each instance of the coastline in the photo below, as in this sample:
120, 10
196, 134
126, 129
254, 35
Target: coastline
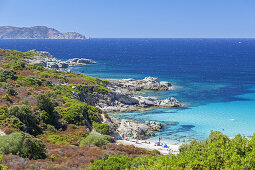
123, 96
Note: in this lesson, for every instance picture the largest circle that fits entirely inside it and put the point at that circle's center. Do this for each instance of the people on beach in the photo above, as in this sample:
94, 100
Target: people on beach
159, 138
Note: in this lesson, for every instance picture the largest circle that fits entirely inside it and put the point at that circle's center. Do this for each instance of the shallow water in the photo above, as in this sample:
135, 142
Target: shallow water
214, 78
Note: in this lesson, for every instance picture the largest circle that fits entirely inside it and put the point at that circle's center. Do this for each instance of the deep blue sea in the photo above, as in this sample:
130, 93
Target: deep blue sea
214, 78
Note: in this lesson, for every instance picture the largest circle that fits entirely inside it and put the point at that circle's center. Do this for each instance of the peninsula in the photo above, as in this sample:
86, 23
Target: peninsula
36, 32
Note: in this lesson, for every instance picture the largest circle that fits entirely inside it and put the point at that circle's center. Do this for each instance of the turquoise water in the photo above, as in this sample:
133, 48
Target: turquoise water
214, 78
231, 118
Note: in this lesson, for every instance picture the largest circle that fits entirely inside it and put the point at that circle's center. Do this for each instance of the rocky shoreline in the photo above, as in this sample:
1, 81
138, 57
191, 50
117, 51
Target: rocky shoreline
124, 128
48, 61
123, 97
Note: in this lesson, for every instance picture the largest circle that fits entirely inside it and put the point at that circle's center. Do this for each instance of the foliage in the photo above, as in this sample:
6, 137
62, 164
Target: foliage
79, 113
37, 67
25, 120
34, 81
217, 152
1, 166
19, 65
56, 139
89, 88
98, 140
71, 136
22, 144
7, 74
48, 113
10, 89
116, 162
7, 98
102, 128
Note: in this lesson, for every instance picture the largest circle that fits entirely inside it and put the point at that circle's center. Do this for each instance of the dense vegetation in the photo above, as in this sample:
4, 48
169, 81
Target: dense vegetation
217, 152
38, 103
98, 140
22, 144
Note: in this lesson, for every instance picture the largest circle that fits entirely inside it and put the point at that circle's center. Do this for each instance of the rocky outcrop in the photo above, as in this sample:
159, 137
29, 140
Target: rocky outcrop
155, 126
48, 61
36, 32
130, 128
79, 61
123, 102
122, 98
2, 133
148, 83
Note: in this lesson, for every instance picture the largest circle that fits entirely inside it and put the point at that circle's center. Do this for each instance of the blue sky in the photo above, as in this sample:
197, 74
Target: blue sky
136, 18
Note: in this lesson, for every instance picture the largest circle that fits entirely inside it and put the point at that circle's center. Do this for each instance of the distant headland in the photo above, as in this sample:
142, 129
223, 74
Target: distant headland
36, 32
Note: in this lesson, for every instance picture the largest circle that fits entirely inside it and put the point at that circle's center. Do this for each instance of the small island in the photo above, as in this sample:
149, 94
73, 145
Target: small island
36, 32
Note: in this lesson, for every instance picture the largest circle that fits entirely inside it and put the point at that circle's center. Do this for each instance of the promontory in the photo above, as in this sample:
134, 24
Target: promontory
36, 32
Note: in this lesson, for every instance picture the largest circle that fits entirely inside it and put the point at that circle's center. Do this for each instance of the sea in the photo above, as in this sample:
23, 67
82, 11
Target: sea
214, 78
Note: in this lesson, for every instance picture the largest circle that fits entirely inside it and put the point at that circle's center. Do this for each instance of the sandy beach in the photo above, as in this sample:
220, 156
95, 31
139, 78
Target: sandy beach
172, 148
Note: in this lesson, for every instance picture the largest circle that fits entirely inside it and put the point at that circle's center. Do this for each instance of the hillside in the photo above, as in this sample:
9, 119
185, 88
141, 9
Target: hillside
43, 126
36, 32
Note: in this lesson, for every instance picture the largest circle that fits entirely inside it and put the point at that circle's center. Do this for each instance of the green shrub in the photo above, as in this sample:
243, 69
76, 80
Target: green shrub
11, 122
89, 88
114, 162
51, 128
102, 128
38, 67
25, 116
19, 65
7, 98
217, 152
22, 144
98, 140
155, 151
1, 166
48, 113
33, 81
79, 113
56, 139
10, 89
7, 74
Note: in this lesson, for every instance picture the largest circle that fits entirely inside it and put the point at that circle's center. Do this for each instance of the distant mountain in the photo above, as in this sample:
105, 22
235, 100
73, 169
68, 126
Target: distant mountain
36, 32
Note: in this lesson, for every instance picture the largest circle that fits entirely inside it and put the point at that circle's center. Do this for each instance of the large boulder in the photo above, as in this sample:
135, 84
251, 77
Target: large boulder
130, 128
52, 65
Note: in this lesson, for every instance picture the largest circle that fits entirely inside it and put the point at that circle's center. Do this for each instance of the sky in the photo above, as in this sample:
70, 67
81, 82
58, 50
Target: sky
136, 18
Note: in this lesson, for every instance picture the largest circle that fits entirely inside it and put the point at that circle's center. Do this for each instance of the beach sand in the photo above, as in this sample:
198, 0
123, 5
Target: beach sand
172, 148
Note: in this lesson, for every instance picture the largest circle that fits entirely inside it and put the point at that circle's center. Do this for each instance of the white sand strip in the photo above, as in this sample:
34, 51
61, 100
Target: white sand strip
172, 148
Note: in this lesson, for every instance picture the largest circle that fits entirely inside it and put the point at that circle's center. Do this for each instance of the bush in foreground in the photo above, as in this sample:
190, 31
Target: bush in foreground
22, 144
217, 152
102, 128
1, 166
98, 140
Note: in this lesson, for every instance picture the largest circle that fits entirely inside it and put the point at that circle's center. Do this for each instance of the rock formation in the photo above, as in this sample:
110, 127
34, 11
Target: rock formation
36, 32
148, 83
79, 61
122, 97
130, 128
48, 61
2, 133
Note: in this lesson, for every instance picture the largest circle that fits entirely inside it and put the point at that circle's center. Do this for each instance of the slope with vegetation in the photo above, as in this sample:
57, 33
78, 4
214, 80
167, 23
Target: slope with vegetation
36, 106
48, 129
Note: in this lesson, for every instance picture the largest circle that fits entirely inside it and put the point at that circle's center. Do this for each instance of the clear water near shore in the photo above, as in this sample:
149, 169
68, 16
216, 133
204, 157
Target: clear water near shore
231, 118
215, 78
